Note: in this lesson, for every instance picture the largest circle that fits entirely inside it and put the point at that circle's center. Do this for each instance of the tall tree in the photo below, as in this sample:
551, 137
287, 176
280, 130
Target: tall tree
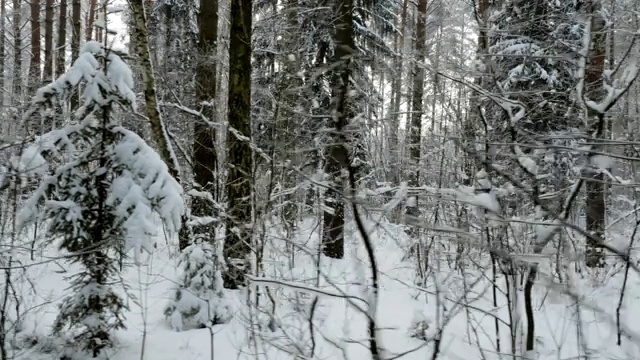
151, 101
415, 124
48, 41
91, 17
62, 39
205, 158
337, 158
542, 30
396, 94
596, 209
287, 122
35, 75
76, 29
3, 34
239, 180
17, 51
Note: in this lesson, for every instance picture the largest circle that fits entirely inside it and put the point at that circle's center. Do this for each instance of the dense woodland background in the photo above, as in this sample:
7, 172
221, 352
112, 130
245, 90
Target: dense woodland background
497, 139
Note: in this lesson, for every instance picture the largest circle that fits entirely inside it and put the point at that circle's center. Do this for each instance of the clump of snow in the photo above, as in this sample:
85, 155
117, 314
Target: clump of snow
412, 201
151, 176
92, 47
120, 77
483, 180
526, 162
484, 200
32, 163
602, 161
420, 325
115, 79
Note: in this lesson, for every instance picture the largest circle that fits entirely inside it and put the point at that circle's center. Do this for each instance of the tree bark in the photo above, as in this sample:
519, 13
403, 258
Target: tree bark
76, 7
153, 113
205, 157
3, 24
17, 52
62, 39
48, 41
415, 125
394, 124
35, 76
287, 122
596, 209
338, 154
91, 16
239, 181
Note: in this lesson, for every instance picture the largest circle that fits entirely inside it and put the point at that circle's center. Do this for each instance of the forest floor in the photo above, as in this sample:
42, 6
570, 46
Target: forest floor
463, 307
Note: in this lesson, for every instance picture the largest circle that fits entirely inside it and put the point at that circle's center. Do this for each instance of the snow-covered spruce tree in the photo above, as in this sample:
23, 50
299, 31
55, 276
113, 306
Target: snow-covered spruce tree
199, 297
101, 185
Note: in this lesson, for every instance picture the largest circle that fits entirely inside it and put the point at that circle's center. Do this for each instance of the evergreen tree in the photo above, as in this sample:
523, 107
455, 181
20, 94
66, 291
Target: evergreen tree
101, 186
200, 295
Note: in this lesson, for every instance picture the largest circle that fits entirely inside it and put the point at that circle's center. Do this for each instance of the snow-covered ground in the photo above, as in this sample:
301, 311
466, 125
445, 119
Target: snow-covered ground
463, 308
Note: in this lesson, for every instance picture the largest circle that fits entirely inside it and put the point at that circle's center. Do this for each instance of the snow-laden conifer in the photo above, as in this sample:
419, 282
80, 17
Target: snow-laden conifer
199, 297
101, 187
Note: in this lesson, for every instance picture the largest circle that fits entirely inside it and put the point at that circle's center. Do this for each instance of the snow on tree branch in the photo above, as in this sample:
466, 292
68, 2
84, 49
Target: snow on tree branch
116, 80
139, 181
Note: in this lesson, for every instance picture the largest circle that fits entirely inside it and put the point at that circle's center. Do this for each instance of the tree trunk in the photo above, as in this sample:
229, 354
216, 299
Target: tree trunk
76, 29
17, 52
338, 153
474, 117
596, 209
153, 113
3, 24
239, 181
205, 157
396, 92
48, 41
415, 125
91, 16
287, 122
62, 39
35, 76
76, 7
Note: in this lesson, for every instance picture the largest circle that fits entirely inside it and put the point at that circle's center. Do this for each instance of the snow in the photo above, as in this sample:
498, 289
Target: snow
120, 77
87, 67
602, 161
148, 170
407, 314
526, 162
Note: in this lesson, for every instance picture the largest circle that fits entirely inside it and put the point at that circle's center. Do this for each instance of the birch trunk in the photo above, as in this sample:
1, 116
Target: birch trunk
151, 101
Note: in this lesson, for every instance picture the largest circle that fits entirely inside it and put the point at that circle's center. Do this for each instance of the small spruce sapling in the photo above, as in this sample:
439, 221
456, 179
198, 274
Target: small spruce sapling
199, 296
101, 187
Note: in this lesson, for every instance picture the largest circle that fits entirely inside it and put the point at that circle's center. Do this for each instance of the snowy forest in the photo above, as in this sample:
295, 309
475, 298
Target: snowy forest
319, 179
